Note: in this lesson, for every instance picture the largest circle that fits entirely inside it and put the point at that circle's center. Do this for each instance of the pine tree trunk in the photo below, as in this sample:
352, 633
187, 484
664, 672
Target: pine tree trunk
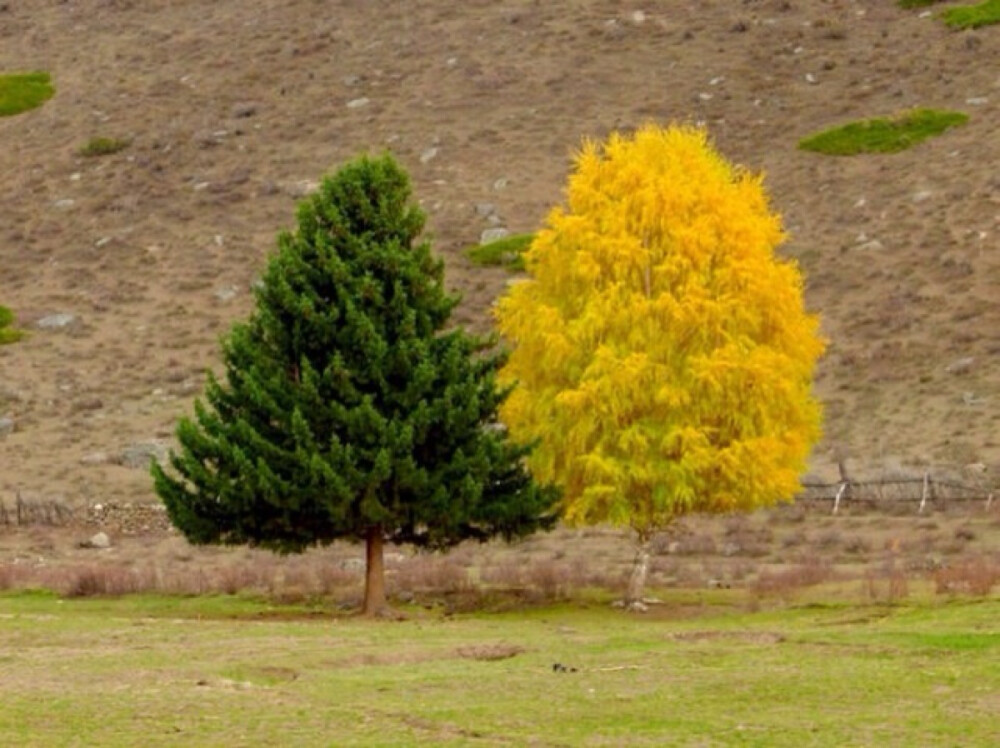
375, 603
640, 569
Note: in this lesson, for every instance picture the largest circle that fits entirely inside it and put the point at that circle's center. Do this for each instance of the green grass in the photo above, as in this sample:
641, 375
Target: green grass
20, 92
7, 333
917, 3
883, 135
507, 252
220, 670
973, 16
104, 146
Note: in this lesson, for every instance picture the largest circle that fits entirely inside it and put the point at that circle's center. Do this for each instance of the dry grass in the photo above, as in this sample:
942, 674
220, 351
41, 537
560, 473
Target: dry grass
974, 576
769, 555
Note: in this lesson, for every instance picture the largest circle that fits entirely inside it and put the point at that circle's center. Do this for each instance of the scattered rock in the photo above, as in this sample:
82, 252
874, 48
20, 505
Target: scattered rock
87, 404
65, 203
500, 184
6, 426
99, 540
95, 458
302, 188
485, 210
961, 366
871, 246
226, 294
971, 398
55, 321
141, 454
492, 235
977, 101
428, 155
358, 103
244, 109
922, 196
718, 584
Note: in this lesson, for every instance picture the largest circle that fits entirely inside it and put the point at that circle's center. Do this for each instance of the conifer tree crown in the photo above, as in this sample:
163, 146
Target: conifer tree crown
345, 404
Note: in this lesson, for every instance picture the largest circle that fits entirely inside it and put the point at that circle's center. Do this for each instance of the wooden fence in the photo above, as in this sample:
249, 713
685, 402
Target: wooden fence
925, 492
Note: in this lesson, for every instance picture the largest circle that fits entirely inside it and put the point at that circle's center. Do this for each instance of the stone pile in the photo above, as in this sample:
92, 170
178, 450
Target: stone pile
129, 518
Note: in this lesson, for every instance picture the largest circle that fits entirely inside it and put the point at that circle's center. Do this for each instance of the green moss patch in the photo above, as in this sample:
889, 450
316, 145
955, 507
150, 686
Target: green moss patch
104, 146
20, 92
973, 16
7, 333
883, 135
507, 252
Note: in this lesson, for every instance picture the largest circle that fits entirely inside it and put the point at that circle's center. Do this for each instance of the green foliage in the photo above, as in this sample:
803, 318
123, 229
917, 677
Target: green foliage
973, 16
917, 3
663, 357
347, 408
883, 135
507, 252
20, 92
104, 146
7, 333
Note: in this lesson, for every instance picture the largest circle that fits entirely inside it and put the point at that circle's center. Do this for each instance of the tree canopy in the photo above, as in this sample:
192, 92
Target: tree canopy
348, 410
663, 356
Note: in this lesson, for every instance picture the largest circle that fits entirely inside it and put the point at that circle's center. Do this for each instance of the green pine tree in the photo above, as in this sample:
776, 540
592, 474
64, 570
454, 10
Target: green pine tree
347, 411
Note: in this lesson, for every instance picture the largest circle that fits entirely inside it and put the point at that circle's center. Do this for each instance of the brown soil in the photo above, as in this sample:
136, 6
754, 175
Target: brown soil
232, 105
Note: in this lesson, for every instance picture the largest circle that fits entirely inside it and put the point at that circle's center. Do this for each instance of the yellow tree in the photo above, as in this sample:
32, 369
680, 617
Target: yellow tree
663, 355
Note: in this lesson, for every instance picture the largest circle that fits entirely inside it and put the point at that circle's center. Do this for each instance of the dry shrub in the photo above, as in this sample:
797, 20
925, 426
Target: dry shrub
184, 581
792, 514
794, 539
975, 576
829, 539
14, 576
857, 545
93, 580
695, 545
509, 573
242, 577
332, 579
793, 578
432, 574
965, 533
887, 585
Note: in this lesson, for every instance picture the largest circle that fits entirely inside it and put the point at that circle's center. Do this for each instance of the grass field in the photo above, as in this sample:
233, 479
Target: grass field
701, 670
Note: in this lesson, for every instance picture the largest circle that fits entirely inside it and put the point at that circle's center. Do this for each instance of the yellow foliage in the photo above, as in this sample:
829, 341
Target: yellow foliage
663, 355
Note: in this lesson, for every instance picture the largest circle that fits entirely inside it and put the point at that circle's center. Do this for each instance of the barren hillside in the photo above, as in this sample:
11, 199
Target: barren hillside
234, 106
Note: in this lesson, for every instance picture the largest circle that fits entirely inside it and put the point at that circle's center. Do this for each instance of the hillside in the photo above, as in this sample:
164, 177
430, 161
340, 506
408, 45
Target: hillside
232, 108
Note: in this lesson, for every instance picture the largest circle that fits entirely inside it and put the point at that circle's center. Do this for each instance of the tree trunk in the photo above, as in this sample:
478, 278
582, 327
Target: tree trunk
375, 603
640, 569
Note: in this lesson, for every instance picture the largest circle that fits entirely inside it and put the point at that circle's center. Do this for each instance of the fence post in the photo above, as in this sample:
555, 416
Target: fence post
840, 493
923, 495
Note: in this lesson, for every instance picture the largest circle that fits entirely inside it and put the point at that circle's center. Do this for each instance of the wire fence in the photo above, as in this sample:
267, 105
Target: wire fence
926, 492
